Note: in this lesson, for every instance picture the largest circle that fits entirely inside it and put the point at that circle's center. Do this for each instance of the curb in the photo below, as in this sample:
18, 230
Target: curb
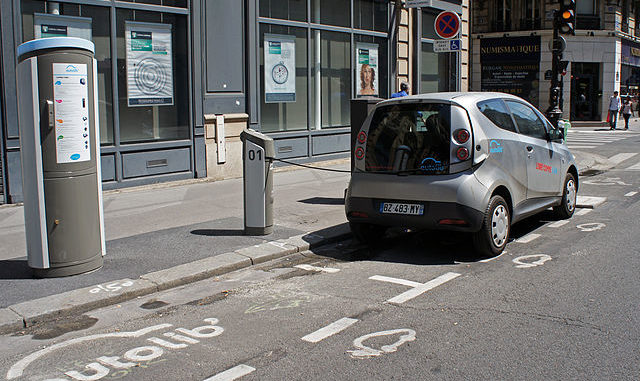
38, 311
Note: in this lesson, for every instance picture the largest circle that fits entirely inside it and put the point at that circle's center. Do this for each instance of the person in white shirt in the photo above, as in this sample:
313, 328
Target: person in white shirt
614, 108
627, 112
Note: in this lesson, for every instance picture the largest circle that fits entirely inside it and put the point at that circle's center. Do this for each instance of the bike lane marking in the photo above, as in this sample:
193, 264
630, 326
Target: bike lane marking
330, 330
541, 259
233, 373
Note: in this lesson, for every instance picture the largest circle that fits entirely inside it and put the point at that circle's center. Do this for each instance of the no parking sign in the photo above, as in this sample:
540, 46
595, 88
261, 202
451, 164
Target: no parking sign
447, 24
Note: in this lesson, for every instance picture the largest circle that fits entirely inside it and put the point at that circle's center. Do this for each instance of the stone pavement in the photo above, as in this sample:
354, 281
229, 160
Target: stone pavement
165, 235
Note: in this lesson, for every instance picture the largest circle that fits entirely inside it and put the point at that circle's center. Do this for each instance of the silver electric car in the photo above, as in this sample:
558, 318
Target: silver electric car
475, 162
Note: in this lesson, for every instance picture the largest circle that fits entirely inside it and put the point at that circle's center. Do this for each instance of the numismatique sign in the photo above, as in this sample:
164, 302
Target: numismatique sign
511, 65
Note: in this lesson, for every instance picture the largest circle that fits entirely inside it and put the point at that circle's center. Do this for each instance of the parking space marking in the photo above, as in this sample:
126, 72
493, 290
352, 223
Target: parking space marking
364, 351
330, 330
528, 238
233, 373
329, 270
590, 227
557, 224
417, 288
591, 201
582, 212
493, 258
631, 194
403, 282
619, 158
635, 167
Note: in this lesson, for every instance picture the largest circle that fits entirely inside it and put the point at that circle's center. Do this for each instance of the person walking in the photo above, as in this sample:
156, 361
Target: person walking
627, 112
614, 108
404, 88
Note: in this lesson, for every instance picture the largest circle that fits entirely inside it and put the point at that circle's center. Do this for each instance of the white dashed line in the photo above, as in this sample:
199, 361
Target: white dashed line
631, 194
619, 158
557, 224
329, 270
528, 238
331, 329
232, 374
590, 201
582, 212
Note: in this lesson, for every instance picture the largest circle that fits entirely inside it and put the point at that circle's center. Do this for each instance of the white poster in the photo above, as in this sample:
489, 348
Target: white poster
366, 69
279, 68
149, 64
71, 112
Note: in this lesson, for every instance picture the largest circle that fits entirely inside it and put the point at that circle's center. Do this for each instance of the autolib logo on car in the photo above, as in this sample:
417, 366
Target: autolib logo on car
495, 147
431, 164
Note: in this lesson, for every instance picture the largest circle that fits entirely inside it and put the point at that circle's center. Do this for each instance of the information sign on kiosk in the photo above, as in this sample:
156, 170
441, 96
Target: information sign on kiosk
59, 149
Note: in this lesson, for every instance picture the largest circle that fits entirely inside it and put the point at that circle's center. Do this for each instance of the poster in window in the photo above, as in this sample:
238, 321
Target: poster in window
149, 64
366, 69
279, 68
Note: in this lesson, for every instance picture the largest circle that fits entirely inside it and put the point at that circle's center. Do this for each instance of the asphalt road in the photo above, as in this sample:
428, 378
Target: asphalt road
560, 303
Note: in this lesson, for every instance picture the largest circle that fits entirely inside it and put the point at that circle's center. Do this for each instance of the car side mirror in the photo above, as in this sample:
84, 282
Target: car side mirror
556, 134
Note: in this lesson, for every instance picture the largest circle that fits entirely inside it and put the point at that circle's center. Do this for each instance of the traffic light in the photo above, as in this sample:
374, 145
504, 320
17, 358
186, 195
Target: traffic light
567, 17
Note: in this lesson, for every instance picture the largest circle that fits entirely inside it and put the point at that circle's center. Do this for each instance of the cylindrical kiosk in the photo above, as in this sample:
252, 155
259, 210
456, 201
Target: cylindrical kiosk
59, 149
258, 152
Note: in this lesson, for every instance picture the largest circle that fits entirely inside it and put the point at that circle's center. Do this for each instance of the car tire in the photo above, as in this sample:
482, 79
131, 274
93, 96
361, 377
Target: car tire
492, 238
367, 233
569, 196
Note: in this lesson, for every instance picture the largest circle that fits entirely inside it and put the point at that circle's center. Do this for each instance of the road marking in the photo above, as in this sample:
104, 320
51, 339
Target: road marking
575, 146
528, 238
364, 351
557, 224
542, 258
590, 227
619, 158
329, 270
493, 258
631, 194
232, 374
590, 201
635, 167
330, 330
18, 368
582, 212
403, 282
607, 181
417, 288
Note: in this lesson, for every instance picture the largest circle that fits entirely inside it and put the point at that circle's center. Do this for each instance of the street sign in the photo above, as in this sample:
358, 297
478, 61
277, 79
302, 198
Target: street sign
418, 3
447, 24
446, 46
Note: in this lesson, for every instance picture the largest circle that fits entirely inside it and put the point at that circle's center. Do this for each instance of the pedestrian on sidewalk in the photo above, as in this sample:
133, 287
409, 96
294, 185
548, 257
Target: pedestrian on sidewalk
627, 112
614, 108
404, 88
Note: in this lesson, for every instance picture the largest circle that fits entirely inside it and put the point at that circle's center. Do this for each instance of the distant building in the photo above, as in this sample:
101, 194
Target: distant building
510, 52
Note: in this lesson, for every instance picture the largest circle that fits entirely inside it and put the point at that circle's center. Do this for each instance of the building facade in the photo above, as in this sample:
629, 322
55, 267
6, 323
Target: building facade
179, 80
511, 52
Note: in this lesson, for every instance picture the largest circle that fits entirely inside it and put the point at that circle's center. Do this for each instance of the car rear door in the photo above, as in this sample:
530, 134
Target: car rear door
542, 162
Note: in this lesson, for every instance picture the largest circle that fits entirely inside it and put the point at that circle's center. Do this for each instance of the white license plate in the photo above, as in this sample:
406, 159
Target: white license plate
402, 208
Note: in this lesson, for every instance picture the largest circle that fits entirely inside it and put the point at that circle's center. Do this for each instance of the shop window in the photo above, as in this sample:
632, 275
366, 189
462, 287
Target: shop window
371, 15
167, 3
335, 83
428, 25
331, 12
283, 102
153, 95
382, 64
295, 10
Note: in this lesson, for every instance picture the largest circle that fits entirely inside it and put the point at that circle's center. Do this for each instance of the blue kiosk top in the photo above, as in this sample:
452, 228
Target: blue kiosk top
55, 42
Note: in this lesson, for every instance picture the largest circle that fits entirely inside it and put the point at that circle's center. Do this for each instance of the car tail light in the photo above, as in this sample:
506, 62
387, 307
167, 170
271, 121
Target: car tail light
462, 153
358, 214
359, 153
461, 136
362, 137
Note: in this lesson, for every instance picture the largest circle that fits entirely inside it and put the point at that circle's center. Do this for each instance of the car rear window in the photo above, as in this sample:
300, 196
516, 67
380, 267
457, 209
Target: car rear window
412, 138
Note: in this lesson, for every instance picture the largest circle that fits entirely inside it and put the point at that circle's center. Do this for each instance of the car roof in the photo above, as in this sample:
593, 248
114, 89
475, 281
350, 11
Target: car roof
462, 98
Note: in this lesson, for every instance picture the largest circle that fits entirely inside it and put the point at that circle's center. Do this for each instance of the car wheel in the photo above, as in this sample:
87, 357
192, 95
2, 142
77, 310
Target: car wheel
569, 195
367, 233
491, 239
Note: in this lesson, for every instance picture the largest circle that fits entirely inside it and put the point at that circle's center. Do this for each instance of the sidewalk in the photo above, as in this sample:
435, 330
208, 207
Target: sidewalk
165, 235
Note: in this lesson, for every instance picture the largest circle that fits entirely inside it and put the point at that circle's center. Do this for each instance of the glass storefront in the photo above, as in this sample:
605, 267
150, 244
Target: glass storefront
329, 48
142, 58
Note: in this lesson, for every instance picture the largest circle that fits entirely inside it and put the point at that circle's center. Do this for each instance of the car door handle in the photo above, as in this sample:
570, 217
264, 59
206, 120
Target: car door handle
529, 148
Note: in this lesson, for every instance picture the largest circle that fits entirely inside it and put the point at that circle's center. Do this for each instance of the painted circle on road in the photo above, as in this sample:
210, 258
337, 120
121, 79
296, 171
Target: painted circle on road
447, 24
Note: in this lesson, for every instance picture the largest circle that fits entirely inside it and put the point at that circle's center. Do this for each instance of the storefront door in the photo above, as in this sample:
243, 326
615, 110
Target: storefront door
584, 91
